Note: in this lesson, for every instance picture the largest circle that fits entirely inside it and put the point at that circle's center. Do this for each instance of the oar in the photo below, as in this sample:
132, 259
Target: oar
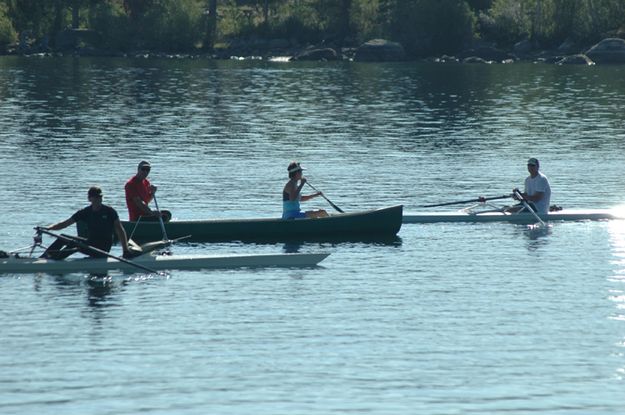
338, 209
160, 219
461, 202
80, 243
528, 207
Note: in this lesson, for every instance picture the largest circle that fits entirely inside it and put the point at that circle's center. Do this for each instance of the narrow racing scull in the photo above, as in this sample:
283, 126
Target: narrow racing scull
499, 214
15, 264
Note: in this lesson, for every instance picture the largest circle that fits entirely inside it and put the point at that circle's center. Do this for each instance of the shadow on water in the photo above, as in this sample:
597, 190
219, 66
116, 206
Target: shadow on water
537, 236
99, 287
295, 245
292, 247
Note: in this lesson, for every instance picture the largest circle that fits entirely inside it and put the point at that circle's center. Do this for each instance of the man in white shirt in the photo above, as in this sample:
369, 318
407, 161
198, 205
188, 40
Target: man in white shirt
537, 190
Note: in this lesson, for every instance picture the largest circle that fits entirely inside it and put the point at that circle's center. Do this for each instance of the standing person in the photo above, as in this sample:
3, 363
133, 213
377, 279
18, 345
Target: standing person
101, 220
291, 195
139, 193
537, 189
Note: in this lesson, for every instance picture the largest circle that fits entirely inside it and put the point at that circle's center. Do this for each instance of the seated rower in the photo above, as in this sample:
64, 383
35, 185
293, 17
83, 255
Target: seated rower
291, 196
537, 192
139, 193
101, 220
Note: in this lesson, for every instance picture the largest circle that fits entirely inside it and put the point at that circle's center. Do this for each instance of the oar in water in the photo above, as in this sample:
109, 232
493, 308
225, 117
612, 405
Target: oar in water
160, 219
528, 207
338, 209
81, 244
461, 202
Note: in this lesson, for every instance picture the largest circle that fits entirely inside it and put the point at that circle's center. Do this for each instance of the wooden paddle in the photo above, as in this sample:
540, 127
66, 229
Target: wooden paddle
81, 244
338, 209
528, 207
160, 219
461, 202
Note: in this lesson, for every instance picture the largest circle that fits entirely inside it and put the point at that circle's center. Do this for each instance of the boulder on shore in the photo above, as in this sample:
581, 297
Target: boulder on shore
380, 50
322, 54
578, 59
487, 54
475, 59
70, 39
611, 50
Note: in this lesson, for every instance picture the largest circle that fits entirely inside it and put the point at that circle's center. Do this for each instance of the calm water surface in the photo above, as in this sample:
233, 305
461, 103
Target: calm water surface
448, 319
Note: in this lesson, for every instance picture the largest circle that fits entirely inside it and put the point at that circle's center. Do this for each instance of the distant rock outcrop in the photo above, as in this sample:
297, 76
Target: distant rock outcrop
523, 47
70, 39
380, 50
475, 59
611, 50
487, 54
322, 54
578, 59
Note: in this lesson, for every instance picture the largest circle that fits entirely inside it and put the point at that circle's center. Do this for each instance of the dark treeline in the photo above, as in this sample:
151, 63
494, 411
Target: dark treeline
424, 27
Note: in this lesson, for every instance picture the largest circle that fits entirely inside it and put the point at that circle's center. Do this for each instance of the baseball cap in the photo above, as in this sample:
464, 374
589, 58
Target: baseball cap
94, 191
532, 161
144, 163
294, 166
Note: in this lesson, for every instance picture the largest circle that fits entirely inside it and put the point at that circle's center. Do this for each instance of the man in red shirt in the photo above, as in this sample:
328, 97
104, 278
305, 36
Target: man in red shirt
139, 192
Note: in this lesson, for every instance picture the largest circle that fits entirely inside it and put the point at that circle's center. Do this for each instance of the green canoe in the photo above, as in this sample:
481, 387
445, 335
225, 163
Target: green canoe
365, 225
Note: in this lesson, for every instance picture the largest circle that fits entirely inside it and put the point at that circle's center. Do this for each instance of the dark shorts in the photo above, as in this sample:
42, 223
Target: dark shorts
531, 204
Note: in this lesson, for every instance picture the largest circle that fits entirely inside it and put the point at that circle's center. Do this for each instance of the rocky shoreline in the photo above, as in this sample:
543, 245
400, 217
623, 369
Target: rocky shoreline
607, 51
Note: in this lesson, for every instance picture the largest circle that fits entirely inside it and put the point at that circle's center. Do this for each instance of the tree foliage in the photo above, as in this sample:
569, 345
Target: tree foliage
7, 31
423, 26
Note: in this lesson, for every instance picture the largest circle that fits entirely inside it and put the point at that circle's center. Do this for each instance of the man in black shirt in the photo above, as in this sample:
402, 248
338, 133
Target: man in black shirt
101, 221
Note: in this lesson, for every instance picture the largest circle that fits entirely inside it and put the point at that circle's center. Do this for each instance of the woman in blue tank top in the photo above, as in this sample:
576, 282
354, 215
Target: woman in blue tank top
291, 195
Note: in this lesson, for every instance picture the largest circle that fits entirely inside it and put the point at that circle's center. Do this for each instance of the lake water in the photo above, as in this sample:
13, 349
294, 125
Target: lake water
449, 319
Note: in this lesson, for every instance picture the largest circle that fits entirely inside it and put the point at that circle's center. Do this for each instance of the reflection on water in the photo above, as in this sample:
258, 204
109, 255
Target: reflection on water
617, 242
617, 280
440, 301
538, 236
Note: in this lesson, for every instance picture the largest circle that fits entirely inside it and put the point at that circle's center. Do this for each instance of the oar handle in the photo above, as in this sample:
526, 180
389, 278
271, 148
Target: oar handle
338, 209
92, 248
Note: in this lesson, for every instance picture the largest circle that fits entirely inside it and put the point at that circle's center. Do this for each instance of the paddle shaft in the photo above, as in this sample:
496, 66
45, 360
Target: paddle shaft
160, 218
338, 209
528, 207
91, 248
460, 202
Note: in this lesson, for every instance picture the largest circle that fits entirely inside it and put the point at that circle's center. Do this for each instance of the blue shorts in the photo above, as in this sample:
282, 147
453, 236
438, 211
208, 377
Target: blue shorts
293, 215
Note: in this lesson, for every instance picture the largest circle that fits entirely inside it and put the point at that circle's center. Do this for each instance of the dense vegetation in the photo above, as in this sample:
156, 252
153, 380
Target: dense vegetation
423, 26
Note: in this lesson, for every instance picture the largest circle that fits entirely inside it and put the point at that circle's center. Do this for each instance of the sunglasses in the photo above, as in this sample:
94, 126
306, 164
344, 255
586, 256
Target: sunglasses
145, 169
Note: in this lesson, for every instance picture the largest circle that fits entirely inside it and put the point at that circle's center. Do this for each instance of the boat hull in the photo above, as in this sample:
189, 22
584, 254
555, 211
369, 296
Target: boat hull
519, 218
13, 265
371, 224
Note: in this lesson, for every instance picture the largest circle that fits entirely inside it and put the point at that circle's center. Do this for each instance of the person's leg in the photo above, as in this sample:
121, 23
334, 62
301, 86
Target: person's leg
520, 207
316, 213
58, 250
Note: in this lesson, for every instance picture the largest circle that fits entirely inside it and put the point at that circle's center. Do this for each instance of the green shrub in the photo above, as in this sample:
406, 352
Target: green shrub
8, 34
300, 21
112, 22
427, 27
505, 23
173, 25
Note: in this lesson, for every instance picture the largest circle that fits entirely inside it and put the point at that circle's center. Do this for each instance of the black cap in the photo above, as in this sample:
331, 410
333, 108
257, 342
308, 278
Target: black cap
95, 191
